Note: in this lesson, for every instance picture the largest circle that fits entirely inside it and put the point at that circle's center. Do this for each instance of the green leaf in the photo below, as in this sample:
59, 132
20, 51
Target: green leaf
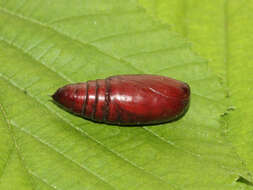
202, 22
46, 44
222, 32
240, 78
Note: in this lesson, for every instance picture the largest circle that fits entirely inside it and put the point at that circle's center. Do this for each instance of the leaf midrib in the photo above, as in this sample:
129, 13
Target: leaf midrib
80, 42
81, 132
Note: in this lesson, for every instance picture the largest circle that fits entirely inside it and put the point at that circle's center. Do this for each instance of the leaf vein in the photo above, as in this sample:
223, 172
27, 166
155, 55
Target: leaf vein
12, 149
61, 153
16, 145
87, 135
125, 34
6, 11
94, 15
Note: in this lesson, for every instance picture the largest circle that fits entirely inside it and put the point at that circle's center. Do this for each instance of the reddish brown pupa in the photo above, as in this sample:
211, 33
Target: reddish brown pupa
126, 99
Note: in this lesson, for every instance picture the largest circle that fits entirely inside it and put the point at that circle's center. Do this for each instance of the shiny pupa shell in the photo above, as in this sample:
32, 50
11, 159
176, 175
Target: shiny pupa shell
126, 99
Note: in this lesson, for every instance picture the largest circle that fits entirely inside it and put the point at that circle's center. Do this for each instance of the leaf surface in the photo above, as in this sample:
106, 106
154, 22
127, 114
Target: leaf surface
47, 44
222, 32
